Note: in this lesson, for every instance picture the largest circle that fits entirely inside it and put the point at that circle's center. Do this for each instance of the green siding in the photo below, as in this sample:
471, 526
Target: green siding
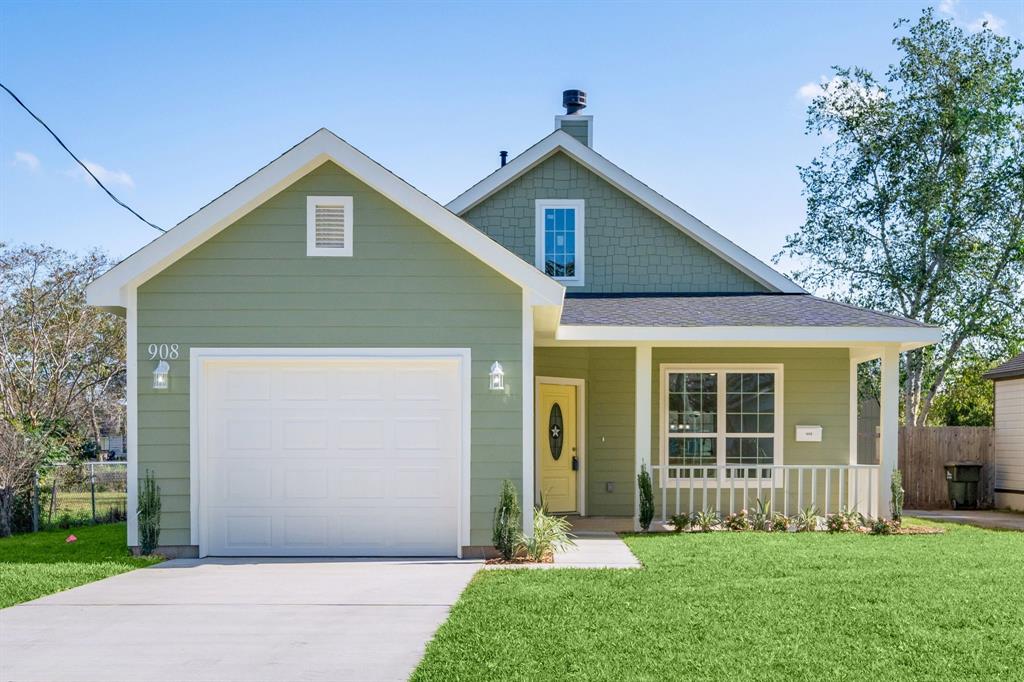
405, 286
578, 129
628, 247
610, 409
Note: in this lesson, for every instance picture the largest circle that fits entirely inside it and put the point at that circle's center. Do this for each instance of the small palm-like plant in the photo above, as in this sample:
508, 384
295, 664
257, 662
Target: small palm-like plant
807, 519
550, 534
761, 516
706, 520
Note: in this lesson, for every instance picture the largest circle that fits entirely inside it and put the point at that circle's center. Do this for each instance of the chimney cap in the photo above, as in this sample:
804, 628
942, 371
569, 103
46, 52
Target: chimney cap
574, 101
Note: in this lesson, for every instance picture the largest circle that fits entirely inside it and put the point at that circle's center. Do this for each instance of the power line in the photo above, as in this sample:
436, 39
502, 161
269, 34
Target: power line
79, 161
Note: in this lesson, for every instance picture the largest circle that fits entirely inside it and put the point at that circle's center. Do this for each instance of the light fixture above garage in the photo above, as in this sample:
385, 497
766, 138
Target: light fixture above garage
497, 377
160, 380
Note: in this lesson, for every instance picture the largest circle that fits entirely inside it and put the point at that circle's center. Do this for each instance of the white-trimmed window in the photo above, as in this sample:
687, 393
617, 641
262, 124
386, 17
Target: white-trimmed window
721, 415
328, 226
560, 233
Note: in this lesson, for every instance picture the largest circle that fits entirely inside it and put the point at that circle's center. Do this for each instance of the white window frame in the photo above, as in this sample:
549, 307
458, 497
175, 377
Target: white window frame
539, 260
720, 435
311, 248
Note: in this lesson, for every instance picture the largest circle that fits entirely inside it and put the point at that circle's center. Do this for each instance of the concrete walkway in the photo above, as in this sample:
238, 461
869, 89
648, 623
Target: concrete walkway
982, 519
594, 549
219, 620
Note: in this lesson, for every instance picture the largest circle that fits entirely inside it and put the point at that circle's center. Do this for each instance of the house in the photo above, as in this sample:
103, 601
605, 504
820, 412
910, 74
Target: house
1009, 432
325, 361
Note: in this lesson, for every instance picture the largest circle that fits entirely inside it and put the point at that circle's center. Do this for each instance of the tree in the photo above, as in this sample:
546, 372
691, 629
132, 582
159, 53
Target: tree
917, 205
62, 362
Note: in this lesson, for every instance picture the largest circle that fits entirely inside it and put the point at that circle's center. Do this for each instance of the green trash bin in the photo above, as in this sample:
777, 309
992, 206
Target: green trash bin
962, 479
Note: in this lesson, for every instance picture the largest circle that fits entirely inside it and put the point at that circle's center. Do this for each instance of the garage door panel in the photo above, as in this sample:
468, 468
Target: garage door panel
331, 457
245, 384
354, 432
305, 433
361, 483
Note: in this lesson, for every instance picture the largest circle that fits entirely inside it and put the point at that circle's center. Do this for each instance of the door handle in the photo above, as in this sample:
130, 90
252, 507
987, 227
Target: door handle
575, 463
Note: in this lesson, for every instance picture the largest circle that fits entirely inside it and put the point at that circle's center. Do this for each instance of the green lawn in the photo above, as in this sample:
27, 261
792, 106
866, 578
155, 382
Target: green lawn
756, 606
36, 564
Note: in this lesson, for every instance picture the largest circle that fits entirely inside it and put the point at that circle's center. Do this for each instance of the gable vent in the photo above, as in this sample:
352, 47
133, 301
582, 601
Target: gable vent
329, 226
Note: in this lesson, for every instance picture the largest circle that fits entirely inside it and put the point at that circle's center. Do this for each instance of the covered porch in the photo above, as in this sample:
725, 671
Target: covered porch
721, 417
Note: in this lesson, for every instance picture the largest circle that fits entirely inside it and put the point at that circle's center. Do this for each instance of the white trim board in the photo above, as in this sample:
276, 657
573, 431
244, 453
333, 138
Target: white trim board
908, 337
199, 356
581, 153
111, 288
581, 435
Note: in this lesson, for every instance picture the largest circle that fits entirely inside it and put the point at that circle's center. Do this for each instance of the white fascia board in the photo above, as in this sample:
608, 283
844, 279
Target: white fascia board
908, 337
562, 141
112, 287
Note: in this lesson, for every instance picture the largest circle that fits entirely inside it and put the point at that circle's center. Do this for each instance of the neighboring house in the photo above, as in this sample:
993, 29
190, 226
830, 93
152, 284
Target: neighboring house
1009, 432
113, 446
323, 360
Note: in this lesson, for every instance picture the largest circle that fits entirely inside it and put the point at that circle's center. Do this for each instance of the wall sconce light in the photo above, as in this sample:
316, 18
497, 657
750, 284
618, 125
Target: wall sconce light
160, 380
497, 377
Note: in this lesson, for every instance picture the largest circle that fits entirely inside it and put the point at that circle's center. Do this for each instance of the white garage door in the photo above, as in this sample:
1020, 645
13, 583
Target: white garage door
330, 457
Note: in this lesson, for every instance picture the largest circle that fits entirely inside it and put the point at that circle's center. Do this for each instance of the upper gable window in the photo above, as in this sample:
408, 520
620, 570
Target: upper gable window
328, 226
560, 250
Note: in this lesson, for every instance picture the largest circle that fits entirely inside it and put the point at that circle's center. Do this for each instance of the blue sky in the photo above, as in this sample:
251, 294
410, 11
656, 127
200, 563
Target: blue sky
176, 102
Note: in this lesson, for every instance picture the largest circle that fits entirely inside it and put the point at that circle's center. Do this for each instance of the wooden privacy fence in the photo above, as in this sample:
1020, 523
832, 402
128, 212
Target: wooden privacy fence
923, 453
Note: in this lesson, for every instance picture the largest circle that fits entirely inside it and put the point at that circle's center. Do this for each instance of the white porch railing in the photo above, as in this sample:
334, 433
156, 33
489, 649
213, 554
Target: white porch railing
686, 489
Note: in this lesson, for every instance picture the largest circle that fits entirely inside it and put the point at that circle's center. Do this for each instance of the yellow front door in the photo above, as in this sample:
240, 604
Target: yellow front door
557, 463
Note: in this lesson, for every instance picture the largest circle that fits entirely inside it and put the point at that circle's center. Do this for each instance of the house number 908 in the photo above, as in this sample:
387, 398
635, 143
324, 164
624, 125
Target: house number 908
163, 351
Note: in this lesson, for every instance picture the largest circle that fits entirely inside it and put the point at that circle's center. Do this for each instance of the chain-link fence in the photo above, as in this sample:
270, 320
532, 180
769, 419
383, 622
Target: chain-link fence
75, 494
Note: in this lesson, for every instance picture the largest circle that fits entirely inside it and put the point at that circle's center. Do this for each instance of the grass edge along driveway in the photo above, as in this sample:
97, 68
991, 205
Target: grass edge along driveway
33, 565
751, 606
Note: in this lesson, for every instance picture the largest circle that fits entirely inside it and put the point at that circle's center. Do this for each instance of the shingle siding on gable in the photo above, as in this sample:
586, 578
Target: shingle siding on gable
629, 249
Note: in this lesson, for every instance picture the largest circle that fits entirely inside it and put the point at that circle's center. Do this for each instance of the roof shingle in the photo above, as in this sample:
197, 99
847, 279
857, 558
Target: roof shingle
1013, 367
767, 310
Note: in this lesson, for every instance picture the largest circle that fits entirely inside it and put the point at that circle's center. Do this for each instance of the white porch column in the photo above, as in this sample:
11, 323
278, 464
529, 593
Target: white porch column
529, 436
642, 420
889, 425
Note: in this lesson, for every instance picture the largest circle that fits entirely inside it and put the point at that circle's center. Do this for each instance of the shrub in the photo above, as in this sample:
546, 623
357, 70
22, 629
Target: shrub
738, 521
896, 505
844, 521
706, 520
781, 522
508, 521
761, 517
643, 482
680, 522
149, 515
550, 534
807, 519
882, 526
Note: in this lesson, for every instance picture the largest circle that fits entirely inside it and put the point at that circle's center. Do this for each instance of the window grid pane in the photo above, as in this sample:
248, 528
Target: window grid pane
687, 451
750, 402
560, 242
692, 403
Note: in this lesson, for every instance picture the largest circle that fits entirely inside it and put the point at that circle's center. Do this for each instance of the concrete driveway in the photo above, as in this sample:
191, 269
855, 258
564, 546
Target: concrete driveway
236, 619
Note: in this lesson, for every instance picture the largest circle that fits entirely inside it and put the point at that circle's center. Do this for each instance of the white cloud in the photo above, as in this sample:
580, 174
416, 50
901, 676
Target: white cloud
105, 175
27, 159
987, 20
951, 8
809, 91
837, 86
